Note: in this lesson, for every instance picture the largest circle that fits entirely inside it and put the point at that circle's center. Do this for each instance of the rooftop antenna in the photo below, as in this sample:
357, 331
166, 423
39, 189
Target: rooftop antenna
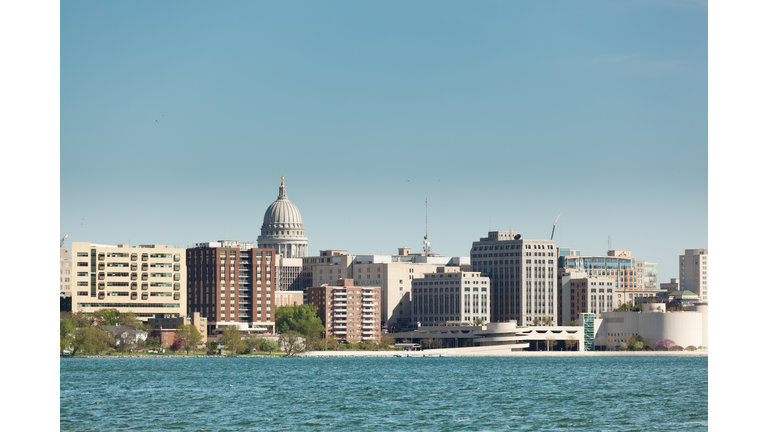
63, 239
426, 228
609, 243
554, 225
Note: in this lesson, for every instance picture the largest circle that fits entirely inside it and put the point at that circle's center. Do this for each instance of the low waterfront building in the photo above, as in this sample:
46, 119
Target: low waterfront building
350, 313
497, 335
148, 280
654, 323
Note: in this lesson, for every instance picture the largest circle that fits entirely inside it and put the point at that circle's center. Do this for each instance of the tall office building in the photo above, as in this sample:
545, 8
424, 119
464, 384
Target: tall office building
522, 275
693, 272
231, 283
149, 281
282, 229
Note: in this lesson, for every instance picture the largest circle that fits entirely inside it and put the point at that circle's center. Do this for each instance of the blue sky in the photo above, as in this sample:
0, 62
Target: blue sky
178, 119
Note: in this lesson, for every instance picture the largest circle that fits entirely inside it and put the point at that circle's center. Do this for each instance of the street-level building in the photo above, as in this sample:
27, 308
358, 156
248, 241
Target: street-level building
165, 328
148, 280
350, 313
449, 296
231, 283
522, 274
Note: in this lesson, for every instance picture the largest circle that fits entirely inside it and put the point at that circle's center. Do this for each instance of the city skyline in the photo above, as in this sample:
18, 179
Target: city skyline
501, 115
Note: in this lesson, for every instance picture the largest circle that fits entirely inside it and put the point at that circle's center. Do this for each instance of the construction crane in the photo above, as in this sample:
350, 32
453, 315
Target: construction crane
553, 226
63, 239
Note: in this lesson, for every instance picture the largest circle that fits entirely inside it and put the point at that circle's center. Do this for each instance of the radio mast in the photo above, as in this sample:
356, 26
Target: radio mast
426, 228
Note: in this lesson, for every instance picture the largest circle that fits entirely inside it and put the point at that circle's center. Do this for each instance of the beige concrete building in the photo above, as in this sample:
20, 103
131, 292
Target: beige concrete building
65, 273
451, 296
693, 272
392, 273
148, 280
289, 298
523, 276
586, 294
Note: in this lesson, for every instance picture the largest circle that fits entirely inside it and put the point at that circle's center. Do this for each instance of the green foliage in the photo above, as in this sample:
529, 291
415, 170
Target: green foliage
625, 307
292, 343
112, 316
387, 341
574, 323
212, 346
67, 329
478, 321
232, 339
269, 345
301, 319
91, 340
189, 337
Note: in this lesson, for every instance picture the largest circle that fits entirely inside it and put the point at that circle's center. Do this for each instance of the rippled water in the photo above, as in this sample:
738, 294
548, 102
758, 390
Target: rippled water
384, 394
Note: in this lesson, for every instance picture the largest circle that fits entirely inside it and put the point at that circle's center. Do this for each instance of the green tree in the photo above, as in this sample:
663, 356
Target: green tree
574, 323
269, 345
301, 319
536, 321
387, 342
292, 343
478, 321
232, 339
547, 321
189, 336
570, 342
67, 329
91, 340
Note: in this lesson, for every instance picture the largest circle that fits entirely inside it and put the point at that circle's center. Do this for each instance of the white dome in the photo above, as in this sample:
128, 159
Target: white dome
282, 228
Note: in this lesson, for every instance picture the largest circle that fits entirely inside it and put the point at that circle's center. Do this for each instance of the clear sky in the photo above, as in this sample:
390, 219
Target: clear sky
178, 119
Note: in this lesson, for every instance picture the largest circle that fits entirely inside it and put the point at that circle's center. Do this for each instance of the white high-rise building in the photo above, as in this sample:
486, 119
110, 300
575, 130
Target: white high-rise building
282, 229
693, 272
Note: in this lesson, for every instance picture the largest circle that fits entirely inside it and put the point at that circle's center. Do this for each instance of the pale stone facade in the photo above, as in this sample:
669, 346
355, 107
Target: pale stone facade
283, 229
147, 280
450, 295
693, 272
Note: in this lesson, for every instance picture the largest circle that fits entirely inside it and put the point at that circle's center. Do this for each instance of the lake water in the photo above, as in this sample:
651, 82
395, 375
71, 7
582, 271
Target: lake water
385, 394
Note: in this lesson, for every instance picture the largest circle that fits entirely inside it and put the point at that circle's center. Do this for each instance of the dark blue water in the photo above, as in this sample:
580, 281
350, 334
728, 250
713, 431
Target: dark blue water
385, 394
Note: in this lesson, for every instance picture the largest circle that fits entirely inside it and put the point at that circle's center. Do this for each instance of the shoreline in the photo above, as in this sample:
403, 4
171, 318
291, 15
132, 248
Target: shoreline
430, 353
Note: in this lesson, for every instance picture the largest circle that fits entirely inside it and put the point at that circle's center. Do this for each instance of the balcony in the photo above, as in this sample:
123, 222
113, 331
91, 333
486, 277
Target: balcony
134, 276
134, 257
145, 257
144, 276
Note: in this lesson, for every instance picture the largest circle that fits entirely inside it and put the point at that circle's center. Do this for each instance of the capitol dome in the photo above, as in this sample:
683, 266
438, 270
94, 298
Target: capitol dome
282, 228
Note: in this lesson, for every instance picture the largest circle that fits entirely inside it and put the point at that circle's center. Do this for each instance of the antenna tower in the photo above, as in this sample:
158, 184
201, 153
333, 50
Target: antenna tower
426, 228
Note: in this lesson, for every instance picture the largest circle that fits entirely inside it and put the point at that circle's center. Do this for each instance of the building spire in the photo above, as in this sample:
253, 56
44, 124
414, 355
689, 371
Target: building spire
282, 195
